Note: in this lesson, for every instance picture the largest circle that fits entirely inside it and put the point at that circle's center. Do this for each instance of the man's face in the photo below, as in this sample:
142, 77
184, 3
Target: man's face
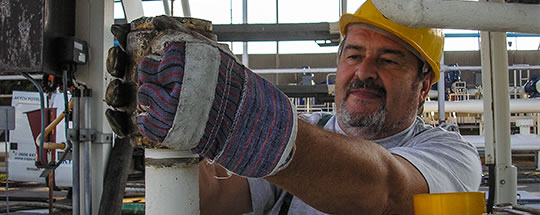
377, 91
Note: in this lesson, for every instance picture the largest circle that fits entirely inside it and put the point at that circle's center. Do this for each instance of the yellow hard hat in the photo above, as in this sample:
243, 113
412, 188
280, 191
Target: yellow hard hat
429, 42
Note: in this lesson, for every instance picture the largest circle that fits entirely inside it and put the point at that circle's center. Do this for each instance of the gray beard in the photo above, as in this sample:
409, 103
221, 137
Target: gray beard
364, 125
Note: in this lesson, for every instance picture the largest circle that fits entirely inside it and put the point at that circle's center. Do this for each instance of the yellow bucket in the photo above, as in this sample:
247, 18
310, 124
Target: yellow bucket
464, 203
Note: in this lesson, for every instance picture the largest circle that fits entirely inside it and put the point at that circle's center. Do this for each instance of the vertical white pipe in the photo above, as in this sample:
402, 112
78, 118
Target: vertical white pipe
87, 124
487, 97
343, 7
166, 7
514, 91
133, 9
506, 173
172, 182
441, 94
277, 43
497, 114
520, 78
245, 57
185, 8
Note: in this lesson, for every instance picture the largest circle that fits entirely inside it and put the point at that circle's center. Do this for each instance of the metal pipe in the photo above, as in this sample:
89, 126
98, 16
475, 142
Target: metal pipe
133, 9
441, 100
441, 96
515, 80
486, 16
171, 182
6, 134
291, 71
477, 106
185, 8
245, 57
75, 195
166, 7
444, 68
87, 151
18, 77
478, 68
343, 7
506, 176
277, 44
520, 77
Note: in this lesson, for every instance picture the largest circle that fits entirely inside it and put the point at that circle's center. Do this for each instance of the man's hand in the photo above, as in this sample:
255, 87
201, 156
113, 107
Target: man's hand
135, 40
192, 94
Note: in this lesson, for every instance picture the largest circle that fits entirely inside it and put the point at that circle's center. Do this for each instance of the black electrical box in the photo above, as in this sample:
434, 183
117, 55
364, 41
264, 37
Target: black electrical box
30, 32
72, 51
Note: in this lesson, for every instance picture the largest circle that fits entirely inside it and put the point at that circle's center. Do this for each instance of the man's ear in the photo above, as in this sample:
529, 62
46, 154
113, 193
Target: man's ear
426, 86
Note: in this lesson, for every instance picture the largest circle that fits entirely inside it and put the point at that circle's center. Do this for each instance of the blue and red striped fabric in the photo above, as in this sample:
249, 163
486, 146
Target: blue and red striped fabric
250, 121
160, 87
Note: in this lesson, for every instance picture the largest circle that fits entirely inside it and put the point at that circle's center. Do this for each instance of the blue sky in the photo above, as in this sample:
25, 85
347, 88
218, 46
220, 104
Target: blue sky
297, 11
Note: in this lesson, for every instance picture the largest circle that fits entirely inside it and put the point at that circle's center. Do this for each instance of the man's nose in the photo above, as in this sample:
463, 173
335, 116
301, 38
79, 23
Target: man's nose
366, 69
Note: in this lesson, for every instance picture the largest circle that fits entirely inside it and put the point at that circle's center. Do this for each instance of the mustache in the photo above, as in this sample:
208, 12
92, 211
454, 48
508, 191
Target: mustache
367, 84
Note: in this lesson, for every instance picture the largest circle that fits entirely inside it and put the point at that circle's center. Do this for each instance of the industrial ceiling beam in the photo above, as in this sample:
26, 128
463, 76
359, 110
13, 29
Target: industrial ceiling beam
277, 32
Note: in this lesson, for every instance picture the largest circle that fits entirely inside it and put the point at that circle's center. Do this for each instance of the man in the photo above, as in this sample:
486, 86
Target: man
370, 158
388, 154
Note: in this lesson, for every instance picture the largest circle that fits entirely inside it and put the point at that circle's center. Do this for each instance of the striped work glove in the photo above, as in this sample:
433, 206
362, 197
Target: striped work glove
198, 97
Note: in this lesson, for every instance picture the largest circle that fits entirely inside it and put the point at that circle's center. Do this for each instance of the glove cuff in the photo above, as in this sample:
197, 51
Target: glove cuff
202, 62
238, 120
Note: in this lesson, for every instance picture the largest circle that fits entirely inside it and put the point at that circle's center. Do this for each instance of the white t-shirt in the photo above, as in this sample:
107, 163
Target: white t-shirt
445, 159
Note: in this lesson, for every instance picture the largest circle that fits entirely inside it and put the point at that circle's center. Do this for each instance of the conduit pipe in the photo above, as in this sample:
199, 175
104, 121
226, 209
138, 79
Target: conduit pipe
185, 8
245, 56
476, 106
485, 16
166, 8
75, 156
172, 182
479, 68
441, 96
444, 68
497, 107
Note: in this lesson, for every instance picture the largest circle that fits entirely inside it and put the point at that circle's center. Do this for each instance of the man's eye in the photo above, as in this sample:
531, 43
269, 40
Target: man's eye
387, 61
354, 57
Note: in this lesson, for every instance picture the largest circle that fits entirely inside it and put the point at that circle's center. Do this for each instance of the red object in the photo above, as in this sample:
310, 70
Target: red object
34, 118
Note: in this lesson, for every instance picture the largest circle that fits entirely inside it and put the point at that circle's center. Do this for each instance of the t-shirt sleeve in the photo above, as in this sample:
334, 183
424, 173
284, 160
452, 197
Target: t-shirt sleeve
266, 198
445, 159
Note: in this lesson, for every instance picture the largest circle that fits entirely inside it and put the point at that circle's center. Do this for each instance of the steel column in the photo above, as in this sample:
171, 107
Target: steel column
93, 22
497, 115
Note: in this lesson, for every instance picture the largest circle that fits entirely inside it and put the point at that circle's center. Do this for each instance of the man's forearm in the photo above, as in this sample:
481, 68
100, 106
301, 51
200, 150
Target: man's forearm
339, 174
220, 193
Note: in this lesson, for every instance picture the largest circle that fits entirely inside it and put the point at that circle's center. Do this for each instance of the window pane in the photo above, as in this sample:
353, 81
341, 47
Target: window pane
261, 11
308, 11
118, 11
461, 44
219, 12
303, 47
153, 8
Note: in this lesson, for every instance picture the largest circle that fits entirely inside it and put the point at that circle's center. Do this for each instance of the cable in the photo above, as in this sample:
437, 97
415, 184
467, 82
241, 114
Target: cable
491, 186
54, 164
66, 116
42, 108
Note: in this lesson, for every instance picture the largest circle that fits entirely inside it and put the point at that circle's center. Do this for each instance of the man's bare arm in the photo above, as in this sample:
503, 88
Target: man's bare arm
346, 175
222, 196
